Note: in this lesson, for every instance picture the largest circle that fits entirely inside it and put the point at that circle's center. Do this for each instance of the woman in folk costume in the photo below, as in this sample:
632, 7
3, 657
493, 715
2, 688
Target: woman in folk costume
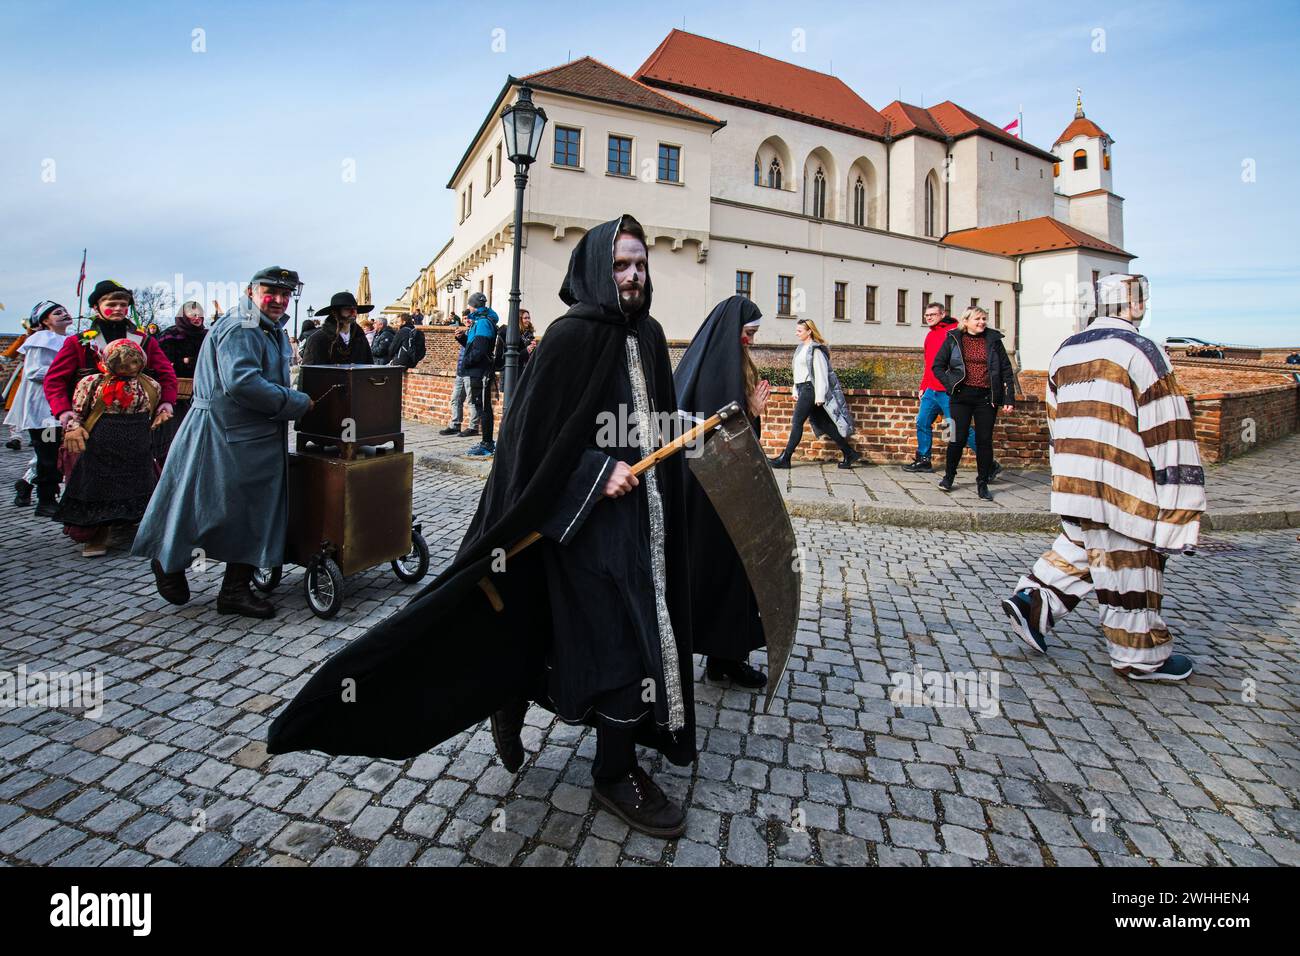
715, 371
818, 397
47, 330
1127, 482
114, 474
181, 344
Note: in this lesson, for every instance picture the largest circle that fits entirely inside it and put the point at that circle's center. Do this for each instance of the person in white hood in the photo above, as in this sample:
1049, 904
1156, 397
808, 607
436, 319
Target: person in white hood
48, 327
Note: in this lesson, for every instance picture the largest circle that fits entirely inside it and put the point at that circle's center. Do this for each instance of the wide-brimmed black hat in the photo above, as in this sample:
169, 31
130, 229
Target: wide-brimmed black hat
108, 287
343, 300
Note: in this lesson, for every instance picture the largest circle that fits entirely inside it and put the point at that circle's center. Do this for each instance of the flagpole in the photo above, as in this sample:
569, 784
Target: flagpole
81, 288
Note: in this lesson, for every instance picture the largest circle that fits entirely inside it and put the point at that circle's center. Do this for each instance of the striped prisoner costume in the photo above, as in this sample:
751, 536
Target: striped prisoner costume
1127, 482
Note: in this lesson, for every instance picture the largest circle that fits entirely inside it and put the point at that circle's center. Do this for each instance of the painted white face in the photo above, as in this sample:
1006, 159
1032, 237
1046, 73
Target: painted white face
630, 271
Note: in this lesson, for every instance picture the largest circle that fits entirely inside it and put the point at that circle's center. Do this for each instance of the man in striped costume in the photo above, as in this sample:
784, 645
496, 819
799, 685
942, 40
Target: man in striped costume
1127, 482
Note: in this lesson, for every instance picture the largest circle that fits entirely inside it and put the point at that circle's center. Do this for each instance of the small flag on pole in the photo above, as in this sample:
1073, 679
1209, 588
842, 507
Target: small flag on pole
1013, 127
81, 281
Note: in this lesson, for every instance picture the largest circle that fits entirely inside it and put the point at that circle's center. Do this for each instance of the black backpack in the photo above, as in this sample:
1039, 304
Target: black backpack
409, 348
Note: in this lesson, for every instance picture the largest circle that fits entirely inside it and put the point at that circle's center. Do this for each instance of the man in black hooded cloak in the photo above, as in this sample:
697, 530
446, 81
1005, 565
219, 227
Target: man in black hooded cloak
715, 371
592, 622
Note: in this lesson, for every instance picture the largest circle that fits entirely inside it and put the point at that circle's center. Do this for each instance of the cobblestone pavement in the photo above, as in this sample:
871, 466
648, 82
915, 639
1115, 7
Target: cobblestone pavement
1259, 490
1077, 767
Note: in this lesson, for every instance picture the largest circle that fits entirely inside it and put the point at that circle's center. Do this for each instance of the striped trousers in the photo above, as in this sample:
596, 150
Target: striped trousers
1128, 578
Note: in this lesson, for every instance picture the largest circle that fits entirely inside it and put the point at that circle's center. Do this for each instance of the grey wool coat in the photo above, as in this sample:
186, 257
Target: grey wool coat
224, 489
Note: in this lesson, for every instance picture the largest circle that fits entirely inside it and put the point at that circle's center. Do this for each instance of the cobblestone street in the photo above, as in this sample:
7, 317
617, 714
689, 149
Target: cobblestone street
1077, 767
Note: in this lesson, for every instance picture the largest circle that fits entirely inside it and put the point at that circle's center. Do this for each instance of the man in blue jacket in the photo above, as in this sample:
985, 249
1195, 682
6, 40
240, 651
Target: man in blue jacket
477, 363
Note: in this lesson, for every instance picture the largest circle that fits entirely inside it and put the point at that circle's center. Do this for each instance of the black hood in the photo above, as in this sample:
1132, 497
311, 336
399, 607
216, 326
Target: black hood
589, 285
712, 372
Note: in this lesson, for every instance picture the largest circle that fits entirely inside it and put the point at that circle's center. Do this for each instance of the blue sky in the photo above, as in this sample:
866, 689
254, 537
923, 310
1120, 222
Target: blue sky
213, 164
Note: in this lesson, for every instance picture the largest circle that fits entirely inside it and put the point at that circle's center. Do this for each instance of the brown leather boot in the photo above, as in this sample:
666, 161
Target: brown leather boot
507, 724
173, 587
236, 597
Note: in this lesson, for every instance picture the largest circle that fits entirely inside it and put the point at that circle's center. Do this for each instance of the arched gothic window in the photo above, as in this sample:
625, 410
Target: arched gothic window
819, 194
758, 178
859, 203
774, 173
931, 208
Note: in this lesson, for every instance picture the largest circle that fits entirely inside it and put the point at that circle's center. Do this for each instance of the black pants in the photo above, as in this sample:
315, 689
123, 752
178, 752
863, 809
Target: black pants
806, 407
47, 456
480, 394
615, 751
967, 405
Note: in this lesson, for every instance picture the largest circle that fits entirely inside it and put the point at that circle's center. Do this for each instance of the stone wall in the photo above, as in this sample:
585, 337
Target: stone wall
1230, 424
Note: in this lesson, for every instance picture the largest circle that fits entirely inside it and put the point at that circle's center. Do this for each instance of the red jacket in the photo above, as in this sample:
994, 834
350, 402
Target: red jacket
933, 340
76, 356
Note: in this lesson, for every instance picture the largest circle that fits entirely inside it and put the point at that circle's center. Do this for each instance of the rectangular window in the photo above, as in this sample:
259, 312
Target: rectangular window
487, 183
567, 143
925, 301
489, 291
947, 304
469, 200
1017, 162
670, 163
745, 284
620, 155
902, 306
783, 287
974, 303
498, 179
841, 301
871, 304
997, 313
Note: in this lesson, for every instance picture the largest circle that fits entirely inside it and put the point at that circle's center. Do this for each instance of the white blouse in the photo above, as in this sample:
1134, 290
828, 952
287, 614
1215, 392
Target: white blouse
821, 369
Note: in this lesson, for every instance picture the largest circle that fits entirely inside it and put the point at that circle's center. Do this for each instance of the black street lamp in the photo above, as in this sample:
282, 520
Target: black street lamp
297, 294
523, 123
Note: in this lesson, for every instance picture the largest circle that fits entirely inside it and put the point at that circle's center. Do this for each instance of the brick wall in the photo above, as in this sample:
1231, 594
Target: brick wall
426, 393
1229, 425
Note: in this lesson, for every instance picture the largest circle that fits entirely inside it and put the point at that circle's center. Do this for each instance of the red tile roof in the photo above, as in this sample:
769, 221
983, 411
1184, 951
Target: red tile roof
1043, 234
1081, 126
591, 79
709, 68
948, 119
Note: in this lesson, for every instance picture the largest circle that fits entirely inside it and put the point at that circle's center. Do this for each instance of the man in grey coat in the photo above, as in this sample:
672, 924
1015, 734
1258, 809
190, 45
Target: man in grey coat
223, 493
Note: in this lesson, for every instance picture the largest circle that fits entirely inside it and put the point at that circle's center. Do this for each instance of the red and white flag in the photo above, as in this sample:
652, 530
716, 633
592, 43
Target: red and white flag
1013, 127
81, 282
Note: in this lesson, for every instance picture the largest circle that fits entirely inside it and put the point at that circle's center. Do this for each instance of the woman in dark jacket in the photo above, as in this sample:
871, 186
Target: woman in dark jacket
974, 367
339, 340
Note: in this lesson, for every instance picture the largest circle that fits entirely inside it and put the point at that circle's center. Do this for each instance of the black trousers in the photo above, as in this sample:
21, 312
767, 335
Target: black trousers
480, 394
972, 404
615, 751
47, 455
806, 407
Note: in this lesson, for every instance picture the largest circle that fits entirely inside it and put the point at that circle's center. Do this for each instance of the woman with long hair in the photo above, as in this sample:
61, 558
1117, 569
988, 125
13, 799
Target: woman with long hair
818, 397
974, 367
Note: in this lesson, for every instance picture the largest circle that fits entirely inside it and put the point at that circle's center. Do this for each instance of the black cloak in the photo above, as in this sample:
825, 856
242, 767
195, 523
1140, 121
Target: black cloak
724, 615
324, 347
447, 661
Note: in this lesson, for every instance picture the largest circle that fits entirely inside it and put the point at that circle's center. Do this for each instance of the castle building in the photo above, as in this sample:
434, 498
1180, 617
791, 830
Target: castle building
755, 176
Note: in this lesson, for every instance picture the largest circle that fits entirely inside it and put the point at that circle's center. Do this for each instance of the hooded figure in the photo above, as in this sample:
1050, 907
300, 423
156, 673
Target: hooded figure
594, 619
339, 340
715, 371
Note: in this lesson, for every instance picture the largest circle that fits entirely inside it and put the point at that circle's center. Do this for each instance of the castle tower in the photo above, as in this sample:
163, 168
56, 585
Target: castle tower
1084, 196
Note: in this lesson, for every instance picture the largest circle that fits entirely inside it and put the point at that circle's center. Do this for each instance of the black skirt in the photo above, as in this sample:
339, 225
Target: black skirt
165, 434
114, 477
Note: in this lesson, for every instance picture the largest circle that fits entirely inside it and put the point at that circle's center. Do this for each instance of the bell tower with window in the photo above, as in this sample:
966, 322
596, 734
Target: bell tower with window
1082, 179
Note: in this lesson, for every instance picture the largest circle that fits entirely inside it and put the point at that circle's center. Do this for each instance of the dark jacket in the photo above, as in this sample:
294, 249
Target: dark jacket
479, 351
324, 347
525, 339
950, 367
408, 347
382, 345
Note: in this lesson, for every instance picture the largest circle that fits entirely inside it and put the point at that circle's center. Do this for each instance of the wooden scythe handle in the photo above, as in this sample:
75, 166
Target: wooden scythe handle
674, 446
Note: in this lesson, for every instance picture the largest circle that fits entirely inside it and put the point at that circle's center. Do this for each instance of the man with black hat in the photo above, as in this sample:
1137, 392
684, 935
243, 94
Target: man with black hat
223, 494
339, 340
593, 622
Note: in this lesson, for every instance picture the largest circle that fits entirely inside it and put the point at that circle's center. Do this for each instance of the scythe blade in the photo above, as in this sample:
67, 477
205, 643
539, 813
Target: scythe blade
734, 473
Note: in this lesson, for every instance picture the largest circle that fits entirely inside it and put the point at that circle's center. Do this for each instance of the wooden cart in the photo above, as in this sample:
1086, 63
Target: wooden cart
350, 501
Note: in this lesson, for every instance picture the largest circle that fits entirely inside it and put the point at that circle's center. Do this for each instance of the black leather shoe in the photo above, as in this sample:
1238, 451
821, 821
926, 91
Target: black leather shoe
995, 471
982, 489
47, 500
919, 464
637, 800
945, 483
780, 461
738, 672
174, 588
852, 458
449, 430
507, 724
22, 493
236, 597
468, 432
14, 444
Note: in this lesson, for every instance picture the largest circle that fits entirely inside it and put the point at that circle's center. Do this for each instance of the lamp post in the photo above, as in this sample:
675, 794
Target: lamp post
297, 294
523, 124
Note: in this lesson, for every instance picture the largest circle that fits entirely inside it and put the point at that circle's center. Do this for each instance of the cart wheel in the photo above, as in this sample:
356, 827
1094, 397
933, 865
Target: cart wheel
415, 563
267, 580
323, 585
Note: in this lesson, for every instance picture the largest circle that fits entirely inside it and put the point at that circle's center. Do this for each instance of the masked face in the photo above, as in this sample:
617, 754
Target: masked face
192, 312
272, 300
630, 271
57, 320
